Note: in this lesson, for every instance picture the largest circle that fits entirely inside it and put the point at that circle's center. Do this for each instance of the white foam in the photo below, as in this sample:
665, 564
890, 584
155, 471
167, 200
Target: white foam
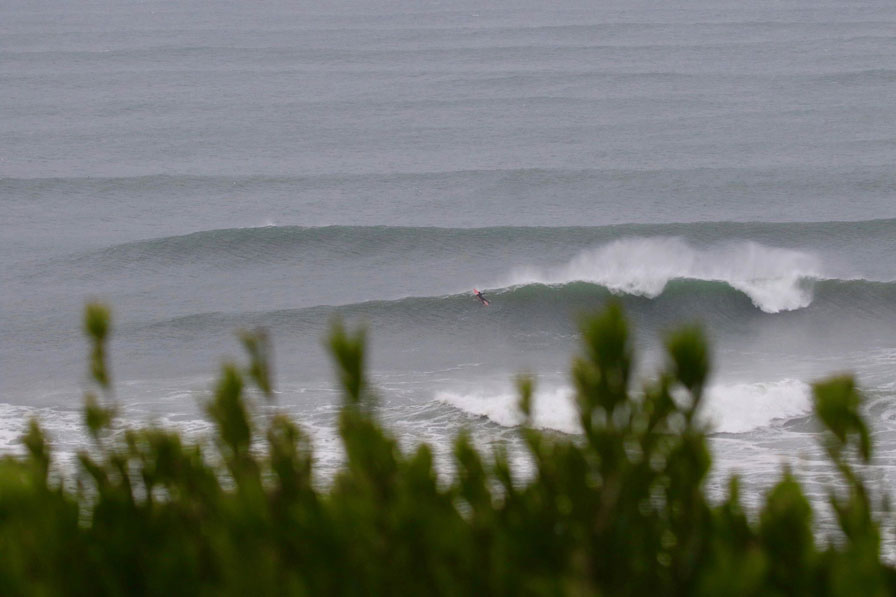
773, 278
551, 409
60, 425
729, 408
737, 408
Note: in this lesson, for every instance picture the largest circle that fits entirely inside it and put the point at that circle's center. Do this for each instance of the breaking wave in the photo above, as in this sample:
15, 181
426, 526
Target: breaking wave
727, 408
774, 279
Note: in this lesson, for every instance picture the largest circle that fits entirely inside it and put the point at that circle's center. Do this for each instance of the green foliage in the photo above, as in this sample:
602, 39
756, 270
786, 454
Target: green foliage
619, 510
96, 325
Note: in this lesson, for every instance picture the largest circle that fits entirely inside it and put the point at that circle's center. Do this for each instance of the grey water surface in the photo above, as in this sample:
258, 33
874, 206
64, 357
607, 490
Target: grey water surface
209, 166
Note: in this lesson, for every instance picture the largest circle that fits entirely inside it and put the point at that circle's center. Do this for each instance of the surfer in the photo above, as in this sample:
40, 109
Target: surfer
482, 299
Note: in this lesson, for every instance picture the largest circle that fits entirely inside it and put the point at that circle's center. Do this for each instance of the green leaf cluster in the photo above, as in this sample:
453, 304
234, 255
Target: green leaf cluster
621, 509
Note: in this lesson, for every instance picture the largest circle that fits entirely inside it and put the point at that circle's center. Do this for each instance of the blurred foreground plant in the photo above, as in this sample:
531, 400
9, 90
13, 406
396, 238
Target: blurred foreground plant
619, 510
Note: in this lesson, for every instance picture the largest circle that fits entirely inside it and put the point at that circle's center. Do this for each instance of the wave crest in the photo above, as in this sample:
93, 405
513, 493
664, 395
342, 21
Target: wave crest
775, 279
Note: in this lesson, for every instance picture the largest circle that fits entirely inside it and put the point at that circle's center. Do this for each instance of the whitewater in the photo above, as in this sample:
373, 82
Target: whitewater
206, 168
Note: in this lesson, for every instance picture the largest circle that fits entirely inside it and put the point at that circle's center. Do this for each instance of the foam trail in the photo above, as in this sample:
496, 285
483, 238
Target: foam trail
775, 279
742, 407
551, 409
727, 408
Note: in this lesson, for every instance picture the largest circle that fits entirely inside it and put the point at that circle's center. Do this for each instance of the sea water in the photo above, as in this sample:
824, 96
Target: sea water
204, 167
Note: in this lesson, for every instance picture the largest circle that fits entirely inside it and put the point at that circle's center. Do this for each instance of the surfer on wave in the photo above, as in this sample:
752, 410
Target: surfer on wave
482, 299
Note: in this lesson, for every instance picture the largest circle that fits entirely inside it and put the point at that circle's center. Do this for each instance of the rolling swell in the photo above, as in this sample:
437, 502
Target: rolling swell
543, 308
284, 243
774, 266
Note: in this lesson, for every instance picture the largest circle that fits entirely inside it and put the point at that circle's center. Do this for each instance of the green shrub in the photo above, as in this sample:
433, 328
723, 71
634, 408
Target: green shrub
620, 510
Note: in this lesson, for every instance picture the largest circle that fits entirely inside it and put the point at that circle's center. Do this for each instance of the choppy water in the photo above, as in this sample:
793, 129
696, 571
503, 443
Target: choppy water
209, 166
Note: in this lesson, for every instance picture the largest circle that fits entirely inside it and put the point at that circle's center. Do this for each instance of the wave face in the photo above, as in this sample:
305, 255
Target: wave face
549, 273
801, 285
554, 308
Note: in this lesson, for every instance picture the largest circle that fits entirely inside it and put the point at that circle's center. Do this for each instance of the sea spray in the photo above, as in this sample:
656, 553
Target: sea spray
774, 279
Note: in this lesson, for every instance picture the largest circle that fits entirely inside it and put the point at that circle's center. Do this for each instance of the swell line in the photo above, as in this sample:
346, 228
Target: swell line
551, 305
268, 243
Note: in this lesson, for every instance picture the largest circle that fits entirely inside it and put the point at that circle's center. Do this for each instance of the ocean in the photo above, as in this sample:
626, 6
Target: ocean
206, 167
